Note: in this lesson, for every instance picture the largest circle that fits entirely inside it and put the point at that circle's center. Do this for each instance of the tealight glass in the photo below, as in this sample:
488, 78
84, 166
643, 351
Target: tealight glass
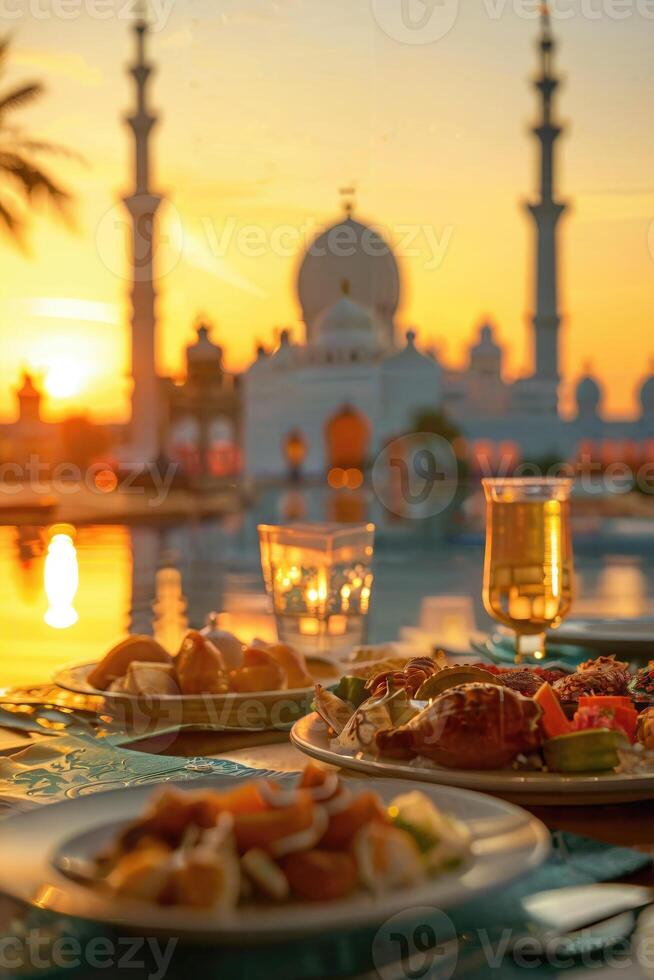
319, 577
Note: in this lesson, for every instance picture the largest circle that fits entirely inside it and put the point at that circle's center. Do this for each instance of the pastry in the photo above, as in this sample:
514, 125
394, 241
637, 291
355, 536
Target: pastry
150, 679
292, 663
199, 666
115, 663
260, 672
228, 645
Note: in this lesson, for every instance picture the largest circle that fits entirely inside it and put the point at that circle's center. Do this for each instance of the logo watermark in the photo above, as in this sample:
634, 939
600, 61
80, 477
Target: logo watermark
158, 11
419, 22
423, 940
416, 476
416, 21
143, 248
42, 478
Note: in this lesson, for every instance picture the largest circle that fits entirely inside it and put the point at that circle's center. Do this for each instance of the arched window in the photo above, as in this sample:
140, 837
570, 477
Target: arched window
347, 438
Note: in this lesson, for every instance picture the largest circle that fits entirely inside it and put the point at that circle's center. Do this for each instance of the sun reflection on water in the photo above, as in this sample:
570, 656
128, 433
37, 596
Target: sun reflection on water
61, 578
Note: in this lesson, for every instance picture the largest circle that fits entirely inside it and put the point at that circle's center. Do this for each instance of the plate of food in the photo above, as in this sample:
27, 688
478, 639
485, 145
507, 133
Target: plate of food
527, 734
214, 681
264, 860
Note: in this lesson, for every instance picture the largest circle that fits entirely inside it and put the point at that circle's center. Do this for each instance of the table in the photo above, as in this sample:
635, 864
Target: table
630, 824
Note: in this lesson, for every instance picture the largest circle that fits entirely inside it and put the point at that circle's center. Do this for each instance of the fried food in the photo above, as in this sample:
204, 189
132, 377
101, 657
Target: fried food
475, 726
314, 840
150, 679
260, 672
115, 663
605, 675
292, 663
200, 667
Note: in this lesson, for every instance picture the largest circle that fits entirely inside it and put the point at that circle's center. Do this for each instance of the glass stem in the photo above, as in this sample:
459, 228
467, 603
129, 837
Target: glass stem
530, 646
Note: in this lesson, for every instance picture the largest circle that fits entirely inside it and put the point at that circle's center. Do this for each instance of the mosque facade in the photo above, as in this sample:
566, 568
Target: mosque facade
352, 385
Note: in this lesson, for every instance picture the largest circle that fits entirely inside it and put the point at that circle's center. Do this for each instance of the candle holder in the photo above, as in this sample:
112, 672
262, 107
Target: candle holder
319, 578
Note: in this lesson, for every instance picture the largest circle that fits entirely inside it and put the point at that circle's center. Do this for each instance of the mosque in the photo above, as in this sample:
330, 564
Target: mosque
335, 399
338, 398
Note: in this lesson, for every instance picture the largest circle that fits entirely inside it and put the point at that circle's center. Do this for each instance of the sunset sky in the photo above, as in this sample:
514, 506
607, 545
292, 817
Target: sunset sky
267, 108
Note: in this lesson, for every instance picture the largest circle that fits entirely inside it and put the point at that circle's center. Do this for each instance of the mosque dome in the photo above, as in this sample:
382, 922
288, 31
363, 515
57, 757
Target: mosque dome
486, 354
588, 395
261, 361
353, 251
28, 387
283, 356
647, 395
203, 349
411, 360
346, 324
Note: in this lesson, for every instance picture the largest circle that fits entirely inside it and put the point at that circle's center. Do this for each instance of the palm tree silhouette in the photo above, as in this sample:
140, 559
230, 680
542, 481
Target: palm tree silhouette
25, 183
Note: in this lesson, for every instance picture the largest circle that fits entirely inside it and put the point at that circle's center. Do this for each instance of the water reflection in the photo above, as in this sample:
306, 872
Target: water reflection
61, 578
108, 580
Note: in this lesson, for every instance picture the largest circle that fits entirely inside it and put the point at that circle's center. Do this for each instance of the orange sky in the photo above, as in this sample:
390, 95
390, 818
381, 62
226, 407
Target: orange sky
267, 109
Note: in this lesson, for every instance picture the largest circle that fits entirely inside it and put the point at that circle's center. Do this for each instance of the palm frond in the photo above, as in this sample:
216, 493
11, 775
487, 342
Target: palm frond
20, 96
31, 180
21, 143
4, 48
27, 183
11, 223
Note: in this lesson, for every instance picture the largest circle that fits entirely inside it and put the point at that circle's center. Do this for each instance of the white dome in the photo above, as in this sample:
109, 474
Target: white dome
346, 324
412, 360
353, 251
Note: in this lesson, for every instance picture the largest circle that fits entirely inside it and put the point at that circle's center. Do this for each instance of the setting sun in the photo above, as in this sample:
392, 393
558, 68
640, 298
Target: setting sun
64, 378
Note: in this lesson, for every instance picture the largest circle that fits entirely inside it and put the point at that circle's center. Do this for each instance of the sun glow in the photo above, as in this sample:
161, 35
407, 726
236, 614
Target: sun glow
64, 378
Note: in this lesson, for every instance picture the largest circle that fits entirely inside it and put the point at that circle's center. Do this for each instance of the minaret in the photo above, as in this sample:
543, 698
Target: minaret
142, 205
546, 213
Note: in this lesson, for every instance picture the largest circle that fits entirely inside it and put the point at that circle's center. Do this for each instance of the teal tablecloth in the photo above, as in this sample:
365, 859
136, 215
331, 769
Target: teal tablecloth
66, 766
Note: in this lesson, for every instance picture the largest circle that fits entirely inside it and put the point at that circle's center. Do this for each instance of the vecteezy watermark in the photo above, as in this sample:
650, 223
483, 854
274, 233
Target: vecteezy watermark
416, 21
412, 241
159, 11
32, 950
427, 21
422, 939
42, 478
137, 243
567, 9
416, 476
422, 943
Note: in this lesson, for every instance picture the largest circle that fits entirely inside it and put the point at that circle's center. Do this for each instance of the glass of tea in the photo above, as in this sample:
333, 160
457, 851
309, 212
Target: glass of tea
528, 561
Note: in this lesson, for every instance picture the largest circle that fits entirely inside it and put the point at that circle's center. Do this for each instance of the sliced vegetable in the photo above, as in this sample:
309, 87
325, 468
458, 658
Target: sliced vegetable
595, 750
620, 709
553, 719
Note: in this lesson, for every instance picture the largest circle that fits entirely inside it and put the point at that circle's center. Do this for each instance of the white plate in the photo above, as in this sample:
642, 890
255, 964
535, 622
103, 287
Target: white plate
260, 710
536, 788
507, 843
626, 635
